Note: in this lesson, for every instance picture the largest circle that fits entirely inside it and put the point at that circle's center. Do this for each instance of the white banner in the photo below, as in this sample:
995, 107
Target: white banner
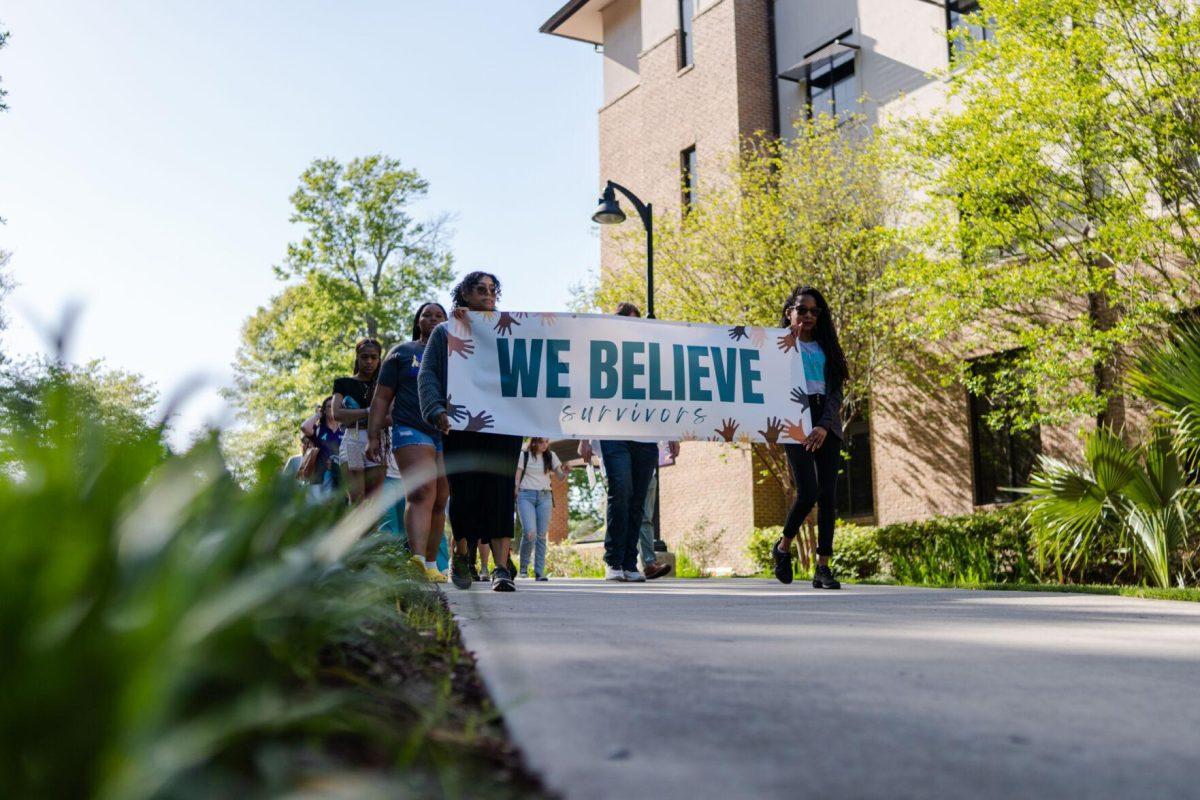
597, 376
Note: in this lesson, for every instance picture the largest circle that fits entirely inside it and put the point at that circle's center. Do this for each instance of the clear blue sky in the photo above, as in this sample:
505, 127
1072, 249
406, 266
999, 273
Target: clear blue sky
150, 149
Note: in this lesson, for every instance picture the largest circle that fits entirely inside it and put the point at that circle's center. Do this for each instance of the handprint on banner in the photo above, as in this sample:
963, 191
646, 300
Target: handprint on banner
454, 411
462, 321
795, 431
738, 332
488, 315
505, 325
800, 397
758, 336
479, 422
727, 430
774, 428
520, 314
787, 342
547, 319
688, 436
464, 347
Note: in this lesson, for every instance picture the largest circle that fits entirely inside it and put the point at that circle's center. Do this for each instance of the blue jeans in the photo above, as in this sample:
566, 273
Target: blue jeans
628, 467
646, 539
534, 508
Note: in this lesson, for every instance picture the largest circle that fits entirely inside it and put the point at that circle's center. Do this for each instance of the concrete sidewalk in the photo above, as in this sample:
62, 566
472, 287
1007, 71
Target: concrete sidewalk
750, 689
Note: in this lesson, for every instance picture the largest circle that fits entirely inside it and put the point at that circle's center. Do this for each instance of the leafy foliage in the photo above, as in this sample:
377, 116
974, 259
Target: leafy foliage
983, 547
167, 634
360, 269
1144, 497
123, 403
1044, 176
817, 209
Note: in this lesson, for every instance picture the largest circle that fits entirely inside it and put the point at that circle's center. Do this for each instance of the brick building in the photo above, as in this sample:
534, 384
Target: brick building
683, 81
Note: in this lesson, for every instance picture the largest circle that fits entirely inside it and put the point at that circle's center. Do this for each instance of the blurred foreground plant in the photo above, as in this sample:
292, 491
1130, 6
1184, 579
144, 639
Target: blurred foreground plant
166, 633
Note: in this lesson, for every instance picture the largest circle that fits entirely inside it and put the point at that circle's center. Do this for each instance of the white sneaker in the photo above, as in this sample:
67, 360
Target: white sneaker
633, 576
614, 574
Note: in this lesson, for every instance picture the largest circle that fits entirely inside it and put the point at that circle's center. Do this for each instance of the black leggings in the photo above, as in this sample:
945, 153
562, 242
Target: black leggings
480, 468
816, 484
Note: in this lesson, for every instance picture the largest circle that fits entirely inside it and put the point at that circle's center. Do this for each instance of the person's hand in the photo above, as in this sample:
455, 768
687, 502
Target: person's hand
375, 449
815, 439
442, 423
585, 450
673, 449
479, 422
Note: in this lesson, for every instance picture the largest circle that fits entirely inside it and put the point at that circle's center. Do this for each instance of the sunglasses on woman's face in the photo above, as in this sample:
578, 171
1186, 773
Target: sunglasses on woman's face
485, 288
807, 311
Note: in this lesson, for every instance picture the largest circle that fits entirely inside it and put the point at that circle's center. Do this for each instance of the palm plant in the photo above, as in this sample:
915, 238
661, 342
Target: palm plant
1144, 498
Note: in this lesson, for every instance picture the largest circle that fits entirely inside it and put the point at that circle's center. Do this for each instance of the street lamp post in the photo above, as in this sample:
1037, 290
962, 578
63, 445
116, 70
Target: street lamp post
609, 212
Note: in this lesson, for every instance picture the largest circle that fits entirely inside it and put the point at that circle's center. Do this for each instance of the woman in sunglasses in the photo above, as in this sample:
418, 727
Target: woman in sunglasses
815, 460
478, 464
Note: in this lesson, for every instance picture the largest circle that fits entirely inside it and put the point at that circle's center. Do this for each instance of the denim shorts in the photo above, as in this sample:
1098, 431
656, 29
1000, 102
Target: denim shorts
403, 436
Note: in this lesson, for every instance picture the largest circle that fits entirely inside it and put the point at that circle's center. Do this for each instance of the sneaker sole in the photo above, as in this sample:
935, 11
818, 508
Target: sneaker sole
503, 586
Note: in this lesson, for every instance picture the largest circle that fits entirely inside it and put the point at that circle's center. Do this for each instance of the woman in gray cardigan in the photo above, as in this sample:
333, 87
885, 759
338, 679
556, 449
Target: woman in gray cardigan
816, 457
479, 464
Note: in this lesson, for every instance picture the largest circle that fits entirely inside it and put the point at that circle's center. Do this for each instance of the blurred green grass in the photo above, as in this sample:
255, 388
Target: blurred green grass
166, 632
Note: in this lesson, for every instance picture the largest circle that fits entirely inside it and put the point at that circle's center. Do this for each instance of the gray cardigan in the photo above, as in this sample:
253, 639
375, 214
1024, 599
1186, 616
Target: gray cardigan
831, 417
431, 380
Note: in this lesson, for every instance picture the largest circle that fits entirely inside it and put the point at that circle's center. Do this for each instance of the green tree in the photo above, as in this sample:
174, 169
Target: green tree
819, 208
360, 268
1042, 178
123, 403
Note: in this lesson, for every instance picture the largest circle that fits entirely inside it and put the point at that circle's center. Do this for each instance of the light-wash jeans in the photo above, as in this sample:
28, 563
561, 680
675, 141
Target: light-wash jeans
535, 508
646, 534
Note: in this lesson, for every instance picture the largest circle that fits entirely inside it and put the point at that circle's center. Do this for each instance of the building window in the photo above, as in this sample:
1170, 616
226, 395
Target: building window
957, 13
687, 167
831, 86
685, 33
855, 488
1002, 458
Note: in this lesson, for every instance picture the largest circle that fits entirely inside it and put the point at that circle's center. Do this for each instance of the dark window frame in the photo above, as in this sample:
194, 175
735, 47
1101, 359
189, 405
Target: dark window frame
1001, 457
839, 69
956, 11
685, 10
689, 166
856, 477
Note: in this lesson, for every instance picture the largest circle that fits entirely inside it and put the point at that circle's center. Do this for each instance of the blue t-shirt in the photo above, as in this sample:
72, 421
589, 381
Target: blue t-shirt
399, 372
814, 366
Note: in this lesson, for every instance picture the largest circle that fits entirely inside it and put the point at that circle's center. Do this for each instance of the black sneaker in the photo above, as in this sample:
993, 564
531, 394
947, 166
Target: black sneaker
460, 572
502, 581
783, 563
541, 578
823, 579
511, 567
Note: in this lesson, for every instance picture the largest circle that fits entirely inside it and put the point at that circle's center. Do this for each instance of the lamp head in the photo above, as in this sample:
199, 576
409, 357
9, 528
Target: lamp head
608, 212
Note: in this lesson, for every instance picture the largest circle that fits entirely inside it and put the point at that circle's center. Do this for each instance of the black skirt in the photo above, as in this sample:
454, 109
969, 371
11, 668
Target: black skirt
481, 469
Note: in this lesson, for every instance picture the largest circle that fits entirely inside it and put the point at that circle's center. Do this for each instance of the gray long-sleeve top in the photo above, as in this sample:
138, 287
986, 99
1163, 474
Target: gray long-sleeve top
831, 418
431, 380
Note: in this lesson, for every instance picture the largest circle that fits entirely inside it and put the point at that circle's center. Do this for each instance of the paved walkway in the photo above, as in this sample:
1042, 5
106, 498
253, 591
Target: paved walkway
750, 689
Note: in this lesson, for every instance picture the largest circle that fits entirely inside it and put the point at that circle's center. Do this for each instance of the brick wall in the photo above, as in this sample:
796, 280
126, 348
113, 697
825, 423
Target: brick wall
711, 487
920, 451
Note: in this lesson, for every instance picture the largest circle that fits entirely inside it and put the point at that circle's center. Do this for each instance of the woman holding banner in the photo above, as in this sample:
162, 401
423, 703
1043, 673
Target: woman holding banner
478, 464
814, 461
415, 445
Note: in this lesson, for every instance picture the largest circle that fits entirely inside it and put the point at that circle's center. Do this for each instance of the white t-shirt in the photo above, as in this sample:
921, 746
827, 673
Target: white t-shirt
535, 476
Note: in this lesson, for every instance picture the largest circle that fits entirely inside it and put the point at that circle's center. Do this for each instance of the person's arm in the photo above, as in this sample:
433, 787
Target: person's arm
585, 450
557, 467
431, 381
381, 404
309, 427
